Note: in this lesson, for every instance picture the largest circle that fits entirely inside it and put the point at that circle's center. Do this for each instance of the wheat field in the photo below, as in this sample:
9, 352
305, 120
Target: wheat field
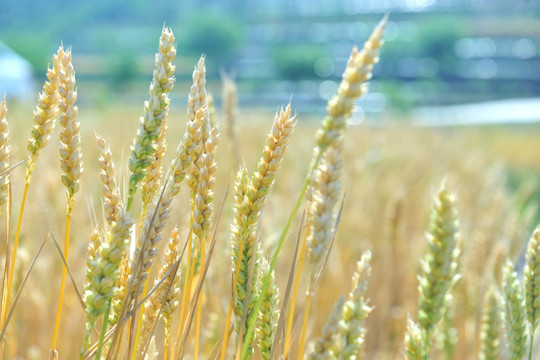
204, 235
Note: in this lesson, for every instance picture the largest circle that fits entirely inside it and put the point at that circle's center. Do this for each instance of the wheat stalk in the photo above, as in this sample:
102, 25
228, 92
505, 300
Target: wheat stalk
70, 158
44, 121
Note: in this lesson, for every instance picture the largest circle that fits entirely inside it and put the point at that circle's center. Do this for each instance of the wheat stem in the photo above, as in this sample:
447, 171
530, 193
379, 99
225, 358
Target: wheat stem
62, 284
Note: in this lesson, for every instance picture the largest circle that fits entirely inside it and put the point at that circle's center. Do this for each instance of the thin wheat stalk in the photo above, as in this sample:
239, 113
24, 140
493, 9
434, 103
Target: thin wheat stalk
70, 160
156, 110
44, 121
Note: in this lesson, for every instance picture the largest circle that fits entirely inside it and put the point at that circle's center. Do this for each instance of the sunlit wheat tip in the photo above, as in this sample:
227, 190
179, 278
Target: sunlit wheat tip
156, 110
111, 193
45, 115
70, 142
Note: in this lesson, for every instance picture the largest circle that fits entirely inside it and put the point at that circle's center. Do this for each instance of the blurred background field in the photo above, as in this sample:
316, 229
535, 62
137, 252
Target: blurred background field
456, 83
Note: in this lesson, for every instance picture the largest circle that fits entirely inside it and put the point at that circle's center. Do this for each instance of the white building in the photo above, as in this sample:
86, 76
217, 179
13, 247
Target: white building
16, 74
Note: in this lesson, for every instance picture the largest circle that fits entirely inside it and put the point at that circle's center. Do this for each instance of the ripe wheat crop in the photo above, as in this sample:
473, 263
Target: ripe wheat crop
204, 252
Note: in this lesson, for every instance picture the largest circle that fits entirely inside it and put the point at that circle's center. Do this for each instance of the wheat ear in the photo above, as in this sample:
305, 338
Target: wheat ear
44, 121
355, 311
416, 343
170, 304
269, 313
491, 328
191, 145
325, 347
152, 180
353, 85
439, 266
246, 216
164, 295
117, 303
104, 271
531, 283
70, 159
514, 313
111, 193
148, 240
156, 110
